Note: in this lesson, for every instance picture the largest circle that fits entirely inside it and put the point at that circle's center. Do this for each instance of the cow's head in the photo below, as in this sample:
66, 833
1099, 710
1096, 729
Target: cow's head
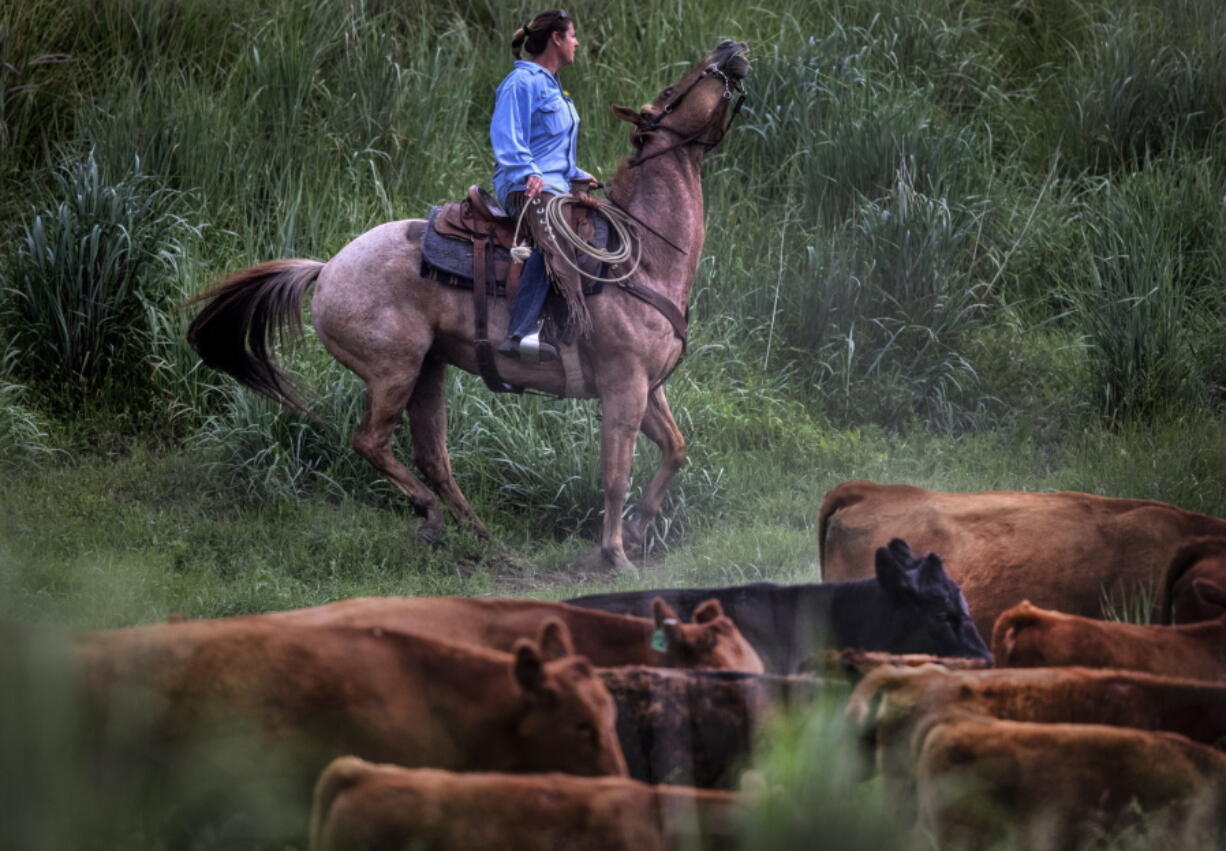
1195, 586
568, 722
927, 612
711, 641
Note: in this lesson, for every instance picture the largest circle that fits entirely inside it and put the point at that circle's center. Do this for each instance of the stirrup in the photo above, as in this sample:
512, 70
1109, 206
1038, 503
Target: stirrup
533, 350
529, 348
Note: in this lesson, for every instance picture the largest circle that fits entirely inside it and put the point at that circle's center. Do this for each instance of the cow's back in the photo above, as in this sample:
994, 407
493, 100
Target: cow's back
363, 806
1026, 636
1063, 550
982, 780
606, 638
766, 614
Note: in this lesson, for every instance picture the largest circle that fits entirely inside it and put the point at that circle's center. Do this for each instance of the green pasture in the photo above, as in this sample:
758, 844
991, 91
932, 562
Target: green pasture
964, 244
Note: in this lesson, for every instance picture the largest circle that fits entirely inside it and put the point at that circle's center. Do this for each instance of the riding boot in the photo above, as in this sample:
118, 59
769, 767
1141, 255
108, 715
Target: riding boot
523, 330
530, 347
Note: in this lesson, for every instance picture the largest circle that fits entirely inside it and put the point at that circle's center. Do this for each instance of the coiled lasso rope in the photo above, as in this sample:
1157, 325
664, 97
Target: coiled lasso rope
557, 224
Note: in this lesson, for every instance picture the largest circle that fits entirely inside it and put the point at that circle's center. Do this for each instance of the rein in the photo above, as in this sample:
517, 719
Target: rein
715, 121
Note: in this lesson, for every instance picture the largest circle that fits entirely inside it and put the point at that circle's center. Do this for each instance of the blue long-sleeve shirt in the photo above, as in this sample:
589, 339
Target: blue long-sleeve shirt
535, 130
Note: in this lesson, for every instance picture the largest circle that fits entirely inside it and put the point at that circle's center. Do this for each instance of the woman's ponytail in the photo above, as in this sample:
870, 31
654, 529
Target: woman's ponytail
533, 36
517, 41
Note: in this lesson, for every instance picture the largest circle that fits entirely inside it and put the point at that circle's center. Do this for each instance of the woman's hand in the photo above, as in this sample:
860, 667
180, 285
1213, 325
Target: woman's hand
534, 186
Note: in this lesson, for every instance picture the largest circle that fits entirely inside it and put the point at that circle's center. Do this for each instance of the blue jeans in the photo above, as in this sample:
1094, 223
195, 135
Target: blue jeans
530, 297
533, 278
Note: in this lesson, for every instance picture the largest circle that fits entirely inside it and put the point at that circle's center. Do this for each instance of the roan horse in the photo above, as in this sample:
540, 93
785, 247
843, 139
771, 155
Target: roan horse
378, 316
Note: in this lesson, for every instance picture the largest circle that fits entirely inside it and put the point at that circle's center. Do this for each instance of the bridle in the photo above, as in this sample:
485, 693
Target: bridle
703, 136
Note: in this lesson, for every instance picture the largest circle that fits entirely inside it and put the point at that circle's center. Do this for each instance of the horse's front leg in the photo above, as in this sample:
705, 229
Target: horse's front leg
428, 427
659, 425
622, 408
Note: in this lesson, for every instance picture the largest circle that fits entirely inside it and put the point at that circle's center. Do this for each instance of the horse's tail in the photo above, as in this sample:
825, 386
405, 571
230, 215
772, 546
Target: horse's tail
245, 315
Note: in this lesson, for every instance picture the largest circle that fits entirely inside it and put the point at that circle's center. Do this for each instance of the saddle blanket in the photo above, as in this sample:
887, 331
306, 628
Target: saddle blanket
450, 261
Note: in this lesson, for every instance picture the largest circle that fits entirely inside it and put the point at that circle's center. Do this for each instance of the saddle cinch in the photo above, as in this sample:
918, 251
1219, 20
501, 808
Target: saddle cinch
467, 244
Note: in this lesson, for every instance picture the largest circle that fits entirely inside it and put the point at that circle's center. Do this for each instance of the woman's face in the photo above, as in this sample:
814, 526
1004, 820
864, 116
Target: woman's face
567, 44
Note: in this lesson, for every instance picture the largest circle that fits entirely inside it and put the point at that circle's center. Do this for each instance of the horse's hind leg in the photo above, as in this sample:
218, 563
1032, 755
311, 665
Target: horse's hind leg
387, 399
661, 428
428, 426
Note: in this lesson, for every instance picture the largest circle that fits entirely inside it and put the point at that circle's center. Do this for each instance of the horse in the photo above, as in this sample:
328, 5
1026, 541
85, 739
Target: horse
377, 315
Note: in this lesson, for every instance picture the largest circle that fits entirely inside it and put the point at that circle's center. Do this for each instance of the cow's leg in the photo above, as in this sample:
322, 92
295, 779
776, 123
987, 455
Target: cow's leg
428, 426
386, 401
623, 402
659, 425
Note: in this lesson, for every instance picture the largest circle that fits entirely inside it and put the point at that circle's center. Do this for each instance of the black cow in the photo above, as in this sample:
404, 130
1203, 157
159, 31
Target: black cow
696, 727
911, 607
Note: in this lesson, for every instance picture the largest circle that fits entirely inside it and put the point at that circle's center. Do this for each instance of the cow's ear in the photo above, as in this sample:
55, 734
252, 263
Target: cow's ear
668, 635
892, 573
625, 113
901, 551
662, 612
529, 667
930, 570
1209, 593
555, 640
708, 611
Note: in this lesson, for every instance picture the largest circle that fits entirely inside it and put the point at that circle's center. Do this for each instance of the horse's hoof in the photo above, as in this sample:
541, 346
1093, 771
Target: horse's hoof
610, 564
432, 533
597, 562
621, 566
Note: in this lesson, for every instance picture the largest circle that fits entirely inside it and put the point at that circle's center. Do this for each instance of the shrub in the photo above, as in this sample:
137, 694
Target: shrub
77, 289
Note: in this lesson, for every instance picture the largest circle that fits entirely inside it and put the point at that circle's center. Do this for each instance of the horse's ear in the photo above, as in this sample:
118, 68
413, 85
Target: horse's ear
625, 113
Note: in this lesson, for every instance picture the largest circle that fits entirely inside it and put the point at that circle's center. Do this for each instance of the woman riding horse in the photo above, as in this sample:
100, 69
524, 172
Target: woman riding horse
535, 135
399, 331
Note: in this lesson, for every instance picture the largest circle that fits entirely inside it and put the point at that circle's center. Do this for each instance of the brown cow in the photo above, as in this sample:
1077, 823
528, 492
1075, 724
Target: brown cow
697, 728
1026, 636
1194, 588
1063, 550
982, 781
265, 705
364, 807
711, 641
895, 707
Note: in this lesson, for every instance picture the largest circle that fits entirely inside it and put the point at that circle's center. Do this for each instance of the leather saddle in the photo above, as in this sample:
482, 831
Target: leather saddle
456, 229
478, 215
470, 240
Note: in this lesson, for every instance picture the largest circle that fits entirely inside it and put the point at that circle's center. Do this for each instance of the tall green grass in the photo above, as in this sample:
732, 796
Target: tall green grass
25, 441
1149, 287
75, 291
894, 176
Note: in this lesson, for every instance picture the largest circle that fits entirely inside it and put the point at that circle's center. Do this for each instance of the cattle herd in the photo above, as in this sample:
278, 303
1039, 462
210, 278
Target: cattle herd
626, 720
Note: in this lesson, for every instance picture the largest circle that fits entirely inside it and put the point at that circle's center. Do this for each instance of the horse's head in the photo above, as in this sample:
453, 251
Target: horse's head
693, 110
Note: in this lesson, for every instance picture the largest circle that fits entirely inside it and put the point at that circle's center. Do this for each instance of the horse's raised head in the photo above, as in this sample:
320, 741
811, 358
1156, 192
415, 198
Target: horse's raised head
695, 107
